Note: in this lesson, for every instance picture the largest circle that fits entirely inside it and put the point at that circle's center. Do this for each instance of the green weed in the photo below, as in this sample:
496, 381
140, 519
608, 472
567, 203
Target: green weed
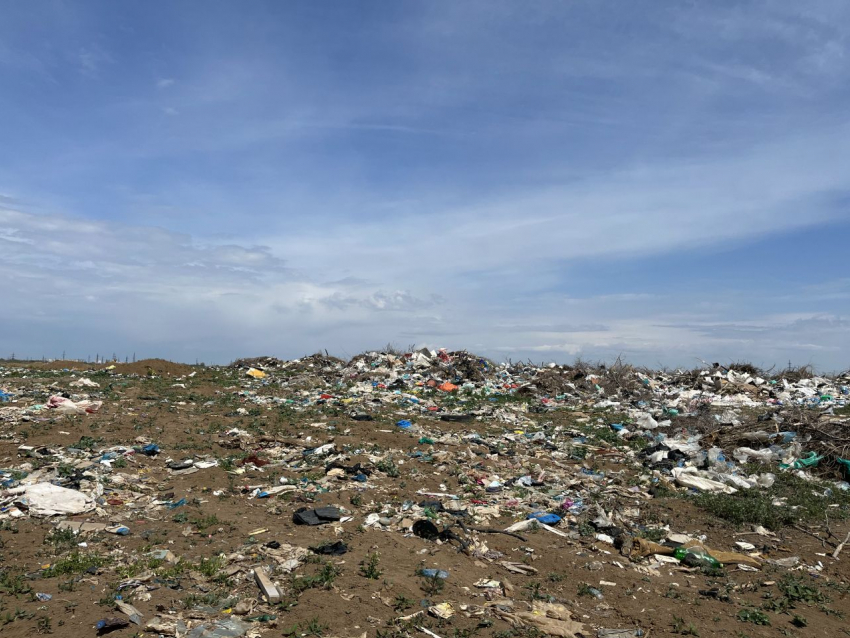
60, 539
431, 585
757, 506
678, 626
388, 467
76, 563
369, 567
402, 602
43, 625
754, 616
323, 579
13, 584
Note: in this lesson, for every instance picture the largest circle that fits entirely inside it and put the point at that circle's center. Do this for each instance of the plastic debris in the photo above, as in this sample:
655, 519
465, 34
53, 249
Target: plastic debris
318, 516
227, 628
524, 478
107, 625
46, 499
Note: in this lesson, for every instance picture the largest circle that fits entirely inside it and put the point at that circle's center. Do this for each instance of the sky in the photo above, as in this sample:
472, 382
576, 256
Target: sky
664, 182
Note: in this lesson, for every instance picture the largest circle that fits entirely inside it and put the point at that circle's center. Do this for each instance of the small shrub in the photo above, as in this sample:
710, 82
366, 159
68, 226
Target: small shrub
13, 584
369, 567
754, 616
402, 602
678, 626
388, 467
43, 625
431, 585
584, 590
76, 563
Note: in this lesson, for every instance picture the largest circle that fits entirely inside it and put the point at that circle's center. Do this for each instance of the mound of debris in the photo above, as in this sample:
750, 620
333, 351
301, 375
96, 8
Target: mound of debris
431, 492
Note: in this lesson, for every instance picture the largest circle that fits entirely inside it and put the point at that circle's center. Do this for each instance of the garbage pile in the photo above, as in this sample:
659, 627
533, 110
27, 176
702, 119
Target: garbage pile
429, 492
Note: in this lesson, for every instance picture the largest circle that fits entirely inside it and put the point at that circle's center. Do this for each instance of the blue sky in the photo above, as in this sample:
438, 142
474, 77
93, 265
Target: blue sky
668, 182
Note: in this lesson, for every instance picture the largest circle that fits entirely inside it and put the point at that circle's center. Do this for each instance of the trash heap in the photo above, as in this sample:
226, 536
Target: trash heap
429, 492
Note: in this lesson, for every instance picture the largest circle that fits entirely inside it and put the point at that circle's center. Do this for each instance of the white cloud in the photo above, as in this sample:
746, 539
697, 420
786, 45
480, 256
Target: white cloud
108, 286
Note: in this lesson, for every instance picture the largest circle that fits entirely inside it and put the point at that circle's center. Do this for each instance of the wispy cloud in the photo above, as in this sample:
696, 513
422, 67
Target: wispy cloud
92, 58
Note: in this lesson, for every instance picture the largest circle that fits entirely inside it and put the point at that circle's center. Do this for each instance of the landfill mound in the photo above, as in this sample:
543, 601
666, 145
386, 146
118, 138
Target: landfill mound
151, 367
141, 367
317, 360
424, 493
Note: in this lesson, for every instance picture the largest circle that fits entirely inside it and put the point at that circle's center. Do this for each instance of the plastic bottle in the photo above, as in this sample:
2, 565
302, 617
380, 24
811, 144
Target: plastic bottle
106, 625
228, 628
434, 573
715, 456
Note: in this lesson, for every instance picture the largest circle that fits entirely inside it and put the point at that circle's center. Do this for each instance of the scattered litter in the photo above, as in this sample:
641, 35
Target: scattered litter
230, 490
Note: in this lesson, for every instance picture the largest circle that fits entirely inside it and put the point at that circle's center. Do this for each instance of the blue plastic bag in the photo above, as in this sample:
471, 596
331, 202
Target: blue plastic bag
544, 518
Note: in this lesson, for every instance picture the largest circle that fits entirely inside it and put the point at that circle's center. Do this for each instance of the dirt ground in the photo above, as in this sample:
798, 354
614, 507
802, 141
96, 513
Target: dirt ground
221, 531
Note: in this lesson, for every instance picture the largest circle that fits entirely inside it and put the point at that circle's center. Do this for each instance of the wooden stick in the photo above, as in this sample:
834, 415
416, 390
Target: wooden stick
490, 530
812, 534
841, 546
